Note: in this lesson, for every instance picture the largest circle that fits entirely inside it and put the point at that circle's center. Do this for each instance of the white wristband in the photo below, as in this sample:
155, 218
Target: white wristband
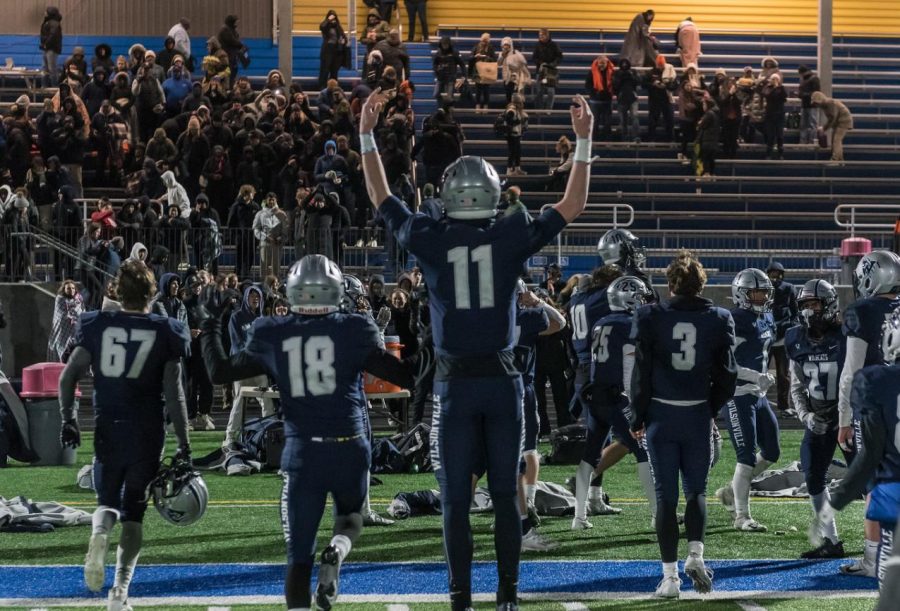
367, 143
583, 150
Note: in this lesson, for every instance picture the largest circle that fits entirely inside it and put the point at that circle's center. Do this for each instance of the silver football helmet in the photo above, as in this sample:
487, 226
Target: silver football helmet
355, 295
876, 273
470, 189
179, 494
623, 248
890, 337
627, 293
315, 285
521, 287
826, 295
752, 279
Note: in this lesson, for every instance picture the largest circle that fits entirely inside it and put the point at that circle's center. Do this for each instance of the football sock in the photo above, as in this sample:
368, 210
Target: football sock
595, 493
670, 569
829, 531
103, 520
761, 465
296, 585
647, 483
597, 480
740, 483
582, 482
530, 491
128, 552
694, 517
343, 544
695, 548
870, 554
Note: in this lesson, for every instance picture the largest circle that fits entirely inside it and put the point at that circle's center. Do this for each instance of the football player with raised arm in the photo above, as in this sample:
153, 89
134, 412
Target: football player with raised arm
684, 372
748, 415
471, 261
875, 399
136, 360
316, 355
815, 350
877, 285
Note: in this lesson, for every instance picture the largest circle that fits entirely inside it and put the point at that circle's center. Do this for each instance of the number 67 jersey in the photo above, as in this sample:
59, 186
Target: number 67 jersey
129, 352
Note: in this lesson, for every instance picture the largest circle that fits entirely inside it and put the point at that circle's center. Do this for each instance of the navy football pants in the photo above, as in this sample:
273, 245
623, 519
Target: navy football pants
752, 424
478, 419
816, 453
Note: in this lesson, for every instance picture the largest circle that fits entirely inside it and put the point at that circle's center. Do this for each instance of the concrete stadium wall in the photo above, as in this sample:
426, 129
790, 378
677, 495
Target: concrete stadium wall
29, 318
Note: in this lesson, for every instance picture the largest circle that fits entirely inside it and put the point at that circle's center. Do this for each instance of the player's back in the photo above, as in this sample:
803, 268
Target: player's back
129, 352
754, 333
530, 323
317, 362
863, 319
878, 388
687, 337
585, 309
820, 363
609, 337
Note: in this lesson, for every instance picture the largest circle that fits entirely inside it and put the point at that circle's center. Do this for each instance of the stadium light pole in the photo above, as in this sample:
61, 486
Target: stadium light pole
286, 38
825, 45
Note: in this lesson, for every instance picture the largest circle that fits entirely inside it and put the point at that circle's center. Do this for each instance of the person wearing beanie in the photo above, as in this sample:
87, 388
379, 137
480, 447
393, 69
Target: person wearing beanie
838, 121
176, 88
153, 68
165, 57
809, 116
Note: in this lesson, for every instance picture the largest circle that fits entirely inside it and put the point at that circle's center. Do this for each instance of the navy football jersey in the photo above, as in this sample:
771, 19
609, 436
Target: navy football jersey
863, 319
129, 352
685, 344
820, 363
609, 336
754, 333
530, 323
471, 272
317, 362
585, 309
876, 390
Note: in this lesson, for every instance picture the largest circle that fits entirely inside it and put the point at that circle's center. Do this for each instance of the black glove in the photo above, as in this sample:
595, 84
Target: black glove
208, 312
70, 434
183, 457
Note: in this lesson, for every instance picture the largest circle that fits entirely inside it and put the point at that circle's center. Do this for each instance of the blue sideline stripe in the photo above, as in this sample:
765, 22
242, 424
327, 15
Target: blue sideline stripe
210, 580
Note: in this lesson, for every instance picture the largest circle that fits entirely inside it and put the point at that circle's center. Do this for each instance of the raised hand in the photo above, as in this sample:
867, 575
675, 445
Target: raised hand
582, 117
371, 111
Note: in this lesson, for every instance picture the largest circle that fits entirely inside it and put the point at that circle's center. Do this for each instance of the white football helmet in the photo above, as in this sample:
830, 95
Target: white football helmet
890, 337
876, 273
179, 494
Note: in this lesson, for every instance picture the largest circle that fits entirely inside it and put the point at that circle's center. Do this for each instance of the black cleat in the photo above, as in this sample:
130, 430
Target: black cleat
826, 550
507, 607
329, 578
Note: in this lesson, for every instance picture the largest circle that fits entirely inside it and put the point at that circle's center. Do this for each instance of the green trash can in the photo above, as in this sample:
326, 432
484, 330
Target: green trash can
40, 391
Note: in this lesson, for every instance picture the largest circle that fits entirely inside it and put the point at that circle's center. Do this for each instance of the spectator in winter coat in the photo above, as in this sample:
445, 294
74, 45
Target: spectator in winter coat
167, 302
232, 44
838, 121
376, 30
103, 59
769, 67
660, 82
121, 97
149, 103
270, 228
546, 58
130, 222
173, 233
599, 85
105, 216
176, 196
687, 41
89, 248
441, 144
217, 176
515, 122
775, 96
206, 226
165, 57
709, 131
179, 33
482, 52
516, 76
138, 253
65, 225
75, 67
726, 96
193, 151
70, 143
152, 68
639, 45
393, 53
68, 307
176, 89
625, 84
240, 219
809, 116
334, 44
51, 44
689, 112
161, 149
96, 91
447, 66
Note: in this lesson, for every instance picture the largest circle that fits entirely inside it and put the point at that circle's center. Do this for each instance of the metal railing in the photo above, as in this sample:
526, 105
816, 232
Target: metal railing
866, 211
595, 208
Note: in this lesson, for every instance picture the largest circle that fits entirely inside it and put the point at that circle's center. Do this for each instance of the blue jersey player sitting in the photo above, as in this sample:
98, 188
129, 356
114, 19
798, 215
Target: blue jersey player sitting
610, 389
748, 415
815, 350
316, 356
471, 261
877, 285
875, 398
684, 372
136, 360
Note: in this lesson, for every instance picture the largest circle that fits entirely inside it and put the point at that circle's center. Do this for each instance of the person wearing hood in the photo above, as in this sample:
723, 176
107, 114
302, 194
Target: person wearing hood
483, 52
121, 97
193, 151
176, 89
377, 296
393, 53
176, 195
838, 121
199, 388
130, 221
270, 227
139, 252
546, 58
660, 82
238, 330
136, 54
233, 46
217, 175
149, 101
275, 81
625, 84
51, 44
179, 33
65, 224
161, 149
639, 45
599, 84
447, 65
68, 307
70, 143
75, 67
687, 41
165, 57
417, 8
173, 232
96, 91
516, 76
240, 218
809, 116
376, 30
195, 98
167, 302
330, 168
769, 67
207, 229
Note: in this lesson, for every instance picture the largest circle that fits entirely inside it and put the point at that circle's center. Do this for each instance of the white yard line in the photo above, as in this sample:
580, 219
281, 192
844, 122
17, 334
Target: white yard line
749, 605
575, 607
398, 608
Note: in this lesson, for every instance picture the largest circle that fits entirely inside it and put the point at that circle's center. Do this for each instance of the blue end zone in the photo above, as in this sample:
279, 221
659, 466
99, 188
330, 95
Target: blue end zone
402, 579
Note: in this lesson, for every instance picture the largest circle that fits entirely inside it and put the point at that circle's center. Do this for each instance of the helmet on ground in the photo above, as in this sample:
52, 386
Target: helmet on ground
621, 247
470, 189
752, 279
315, 285
876, 273
826, 295
179, 494
890, 337
627, 293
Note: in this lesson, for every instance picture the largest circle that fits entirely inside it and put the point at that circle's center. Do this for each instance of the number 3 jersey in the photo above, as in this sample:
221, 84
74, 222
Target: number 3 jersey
129, 352
815, 368
317, 364
471, 270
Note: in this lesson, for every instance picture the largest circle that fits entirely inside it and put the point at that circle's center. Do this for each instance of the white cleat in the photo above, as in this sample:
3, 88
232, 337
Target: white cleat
204, 423
702, 577
533, 541
669, 587
581, 524
859, 567
748, 525
118, 600
328, 581
95, 562
726, 497
596, 507
373, 519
